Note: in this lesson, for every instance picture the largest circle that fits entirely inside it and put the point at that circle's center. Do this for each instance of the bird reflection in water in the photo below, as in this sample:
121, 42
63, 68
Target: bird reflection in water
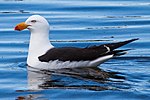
94, 79
76, 78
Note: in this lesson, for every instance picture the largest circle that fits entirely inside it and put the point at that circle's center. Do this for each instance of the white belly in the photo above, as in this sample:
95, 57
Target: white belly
56, 64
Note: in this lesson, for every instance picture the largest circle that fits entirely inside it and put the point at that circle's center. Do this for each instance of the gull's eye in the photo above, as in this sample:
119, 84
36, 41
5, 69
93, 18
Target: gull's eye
33, 21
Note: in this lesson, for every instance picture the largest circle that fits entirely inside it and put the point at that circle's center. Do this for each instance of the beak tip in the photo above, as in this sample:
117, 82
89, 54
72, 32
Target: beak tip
16, 28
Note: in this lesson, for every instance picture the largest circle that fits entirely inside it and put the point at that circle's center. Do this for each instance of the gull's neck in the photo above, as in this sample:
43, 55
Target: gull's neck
39, 45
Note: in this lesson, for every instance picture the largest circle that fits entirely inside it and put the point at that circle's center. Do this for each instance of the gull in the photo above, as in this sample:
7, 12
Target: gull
42, 54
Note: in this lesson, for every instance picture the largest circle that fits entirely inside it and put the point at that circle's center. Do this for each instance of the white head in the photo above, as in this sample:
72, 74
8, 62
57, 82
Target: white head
35, 23
39, 39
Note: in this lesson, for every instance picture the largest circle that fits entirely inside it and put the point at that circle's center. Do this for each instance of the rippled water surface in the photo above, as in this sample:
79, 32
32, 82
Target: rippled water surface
79, 23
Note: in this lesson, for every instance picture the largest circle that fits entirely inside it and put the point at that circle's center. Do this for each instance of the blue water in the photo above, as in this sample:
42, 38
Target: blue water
77, 23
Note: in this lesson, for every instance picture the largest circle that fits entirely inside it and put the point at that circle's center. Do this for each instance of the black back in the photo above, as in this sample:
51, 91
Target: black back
81, 54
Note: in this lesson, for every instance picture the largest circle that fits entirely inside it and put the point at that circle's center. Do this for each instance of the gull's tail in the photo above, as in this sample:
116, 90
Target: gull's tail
113, 46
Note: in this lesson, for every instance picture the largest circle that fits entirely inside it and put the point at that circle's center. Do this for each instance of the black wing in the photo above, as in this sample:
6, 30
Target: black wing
82, 54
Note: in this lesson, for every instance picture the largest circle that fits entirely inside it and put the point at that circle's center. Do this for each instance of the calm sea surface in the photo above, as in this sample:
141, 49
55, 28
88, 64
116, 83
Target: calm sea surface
79, 23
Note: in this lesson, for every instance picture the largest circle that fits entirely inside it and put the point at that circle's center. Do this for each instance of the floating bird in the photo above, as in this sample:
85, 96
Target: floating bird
42, 54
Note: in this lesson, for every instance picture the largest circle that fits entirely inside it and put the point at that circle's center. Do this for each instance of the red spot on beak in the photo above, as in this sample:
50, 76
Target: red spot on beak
17, 28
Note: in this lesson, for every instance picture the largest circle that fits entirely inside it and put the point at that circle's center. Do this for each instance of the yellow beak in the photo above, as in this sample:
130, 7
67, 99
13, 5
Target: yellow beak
21, 26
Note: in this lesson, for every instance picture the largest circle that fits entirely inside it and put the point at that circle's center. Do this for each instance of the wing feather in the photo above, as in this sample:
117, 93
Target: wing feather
82, 54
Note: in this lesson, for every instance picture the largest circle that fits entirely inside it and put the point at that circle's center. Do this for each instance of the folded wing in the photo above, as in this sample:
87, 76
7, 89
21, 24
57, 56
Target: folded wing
83, 54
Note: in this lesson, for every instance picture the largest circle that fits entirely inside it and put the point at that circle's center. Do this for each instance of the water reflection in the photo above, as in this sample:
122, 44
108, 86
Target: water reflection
64, 78
94, 79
